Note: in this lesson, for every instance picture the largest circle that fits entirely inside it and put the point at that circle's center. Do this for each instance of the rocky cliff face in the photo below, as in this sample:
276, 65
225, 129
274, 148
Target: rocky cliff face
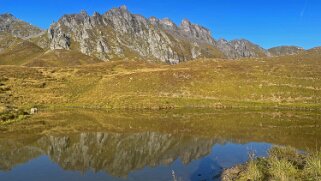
118, 34
17, 28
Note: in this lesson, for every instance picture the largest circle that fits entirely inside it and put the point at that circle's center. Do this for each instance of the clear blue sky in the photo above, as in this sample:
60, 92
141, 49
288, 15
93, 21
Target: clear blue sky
265, 22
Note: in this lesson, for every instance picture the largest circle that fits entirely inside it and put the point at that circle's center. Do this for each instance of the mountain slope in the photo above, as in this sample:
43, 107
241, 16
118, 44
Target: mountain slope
287, 81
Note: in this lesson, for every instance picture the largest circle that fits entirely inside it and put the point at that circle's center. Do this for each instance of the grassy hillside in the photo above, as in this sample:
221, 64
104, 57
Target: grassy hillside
20, 53
289, 81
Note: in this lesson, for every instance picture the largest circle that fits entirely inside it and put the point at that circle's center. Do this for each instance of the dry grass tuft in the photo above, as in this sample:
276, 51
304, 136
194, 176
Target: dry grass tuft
283, 164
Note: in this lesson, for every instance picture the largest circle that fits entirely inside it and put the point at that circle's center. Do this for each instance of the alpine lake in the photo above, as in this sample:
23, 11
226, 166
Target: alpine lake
164, 145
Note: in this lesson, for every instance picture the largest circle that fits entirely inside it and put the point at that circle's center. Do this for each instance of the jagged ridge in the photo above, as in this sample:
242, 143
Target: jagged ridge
119, 34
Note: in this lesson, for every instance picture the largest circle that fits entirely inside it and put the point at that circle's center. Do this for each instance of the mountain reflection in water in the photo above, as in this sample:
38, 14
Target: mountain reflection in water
148, 150
127, 156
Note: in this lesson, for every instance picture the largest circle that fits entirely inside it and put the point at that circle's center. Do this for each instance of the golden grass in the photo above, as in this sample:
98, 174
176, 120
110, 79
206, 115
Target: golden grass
290, 82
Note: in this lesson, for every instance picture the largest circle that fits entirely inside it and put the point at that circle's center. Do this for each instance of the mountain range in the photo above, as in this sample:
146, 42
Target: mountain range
118, 34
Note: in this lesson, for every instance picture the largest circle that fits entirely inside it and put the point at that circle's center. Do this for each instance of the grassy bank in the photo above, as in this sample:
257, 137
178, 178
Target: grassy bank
282, 163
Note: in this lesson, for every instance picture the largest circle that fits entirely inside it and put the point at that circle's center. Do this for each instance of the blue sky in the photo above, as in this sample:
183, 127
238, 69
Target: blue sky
265, 22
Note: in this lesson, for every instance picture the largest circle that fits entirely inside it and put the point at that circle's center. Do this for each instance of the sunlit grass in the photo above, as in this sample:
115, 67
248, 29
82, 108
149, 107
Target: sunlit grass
138, 85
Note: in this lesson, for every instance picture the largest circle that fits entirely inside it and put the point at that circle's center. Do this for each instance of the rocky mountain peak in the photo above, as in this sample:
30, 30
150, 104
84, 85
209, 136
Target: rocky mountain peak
168, 24
96, 14
153, 20
196, 31
222, 41
120, 11
119, 33
6, 16
123, 8
187, 27
185, 23
83, 15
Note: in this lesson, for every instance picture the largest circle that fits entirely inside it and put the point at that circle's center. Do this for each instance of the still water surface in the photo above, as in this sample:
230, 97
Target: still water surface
164, 145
